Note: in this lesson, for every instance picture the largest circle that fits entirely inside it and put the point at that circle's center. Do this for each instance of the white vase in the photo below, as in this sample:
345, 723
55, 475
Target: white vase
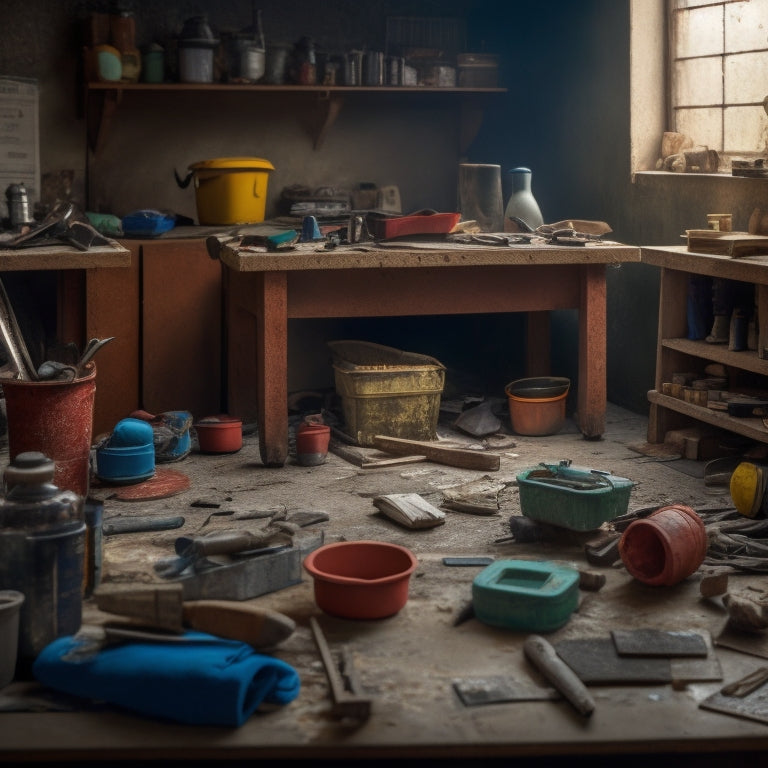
522, 204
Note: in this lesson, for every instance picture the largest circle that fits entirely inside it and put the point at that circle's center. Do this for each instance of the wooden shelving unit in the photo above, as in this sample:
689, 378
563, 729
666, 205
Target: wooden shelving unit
676, 353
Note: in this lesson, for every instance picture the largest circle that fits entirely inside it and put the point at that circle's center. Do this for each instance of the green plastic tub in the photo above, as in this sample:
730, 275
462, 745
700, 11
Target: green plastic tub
577, 498
526, 595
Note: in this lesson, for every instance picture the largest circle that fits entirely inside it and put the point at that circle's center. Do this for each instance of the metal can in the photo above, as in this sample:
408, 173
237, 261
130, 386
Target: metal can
18, 205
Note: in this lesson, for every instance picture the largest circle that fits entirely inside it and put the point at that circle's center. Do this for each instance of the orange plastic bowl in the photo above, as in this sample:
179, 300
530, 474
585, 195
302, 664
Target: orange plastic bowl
219, 434
361, 579
537, 406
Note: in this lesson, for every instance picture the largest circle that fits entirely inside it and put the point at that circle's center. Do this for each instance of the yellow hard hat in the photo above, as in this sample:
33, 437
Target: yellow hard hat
745, 482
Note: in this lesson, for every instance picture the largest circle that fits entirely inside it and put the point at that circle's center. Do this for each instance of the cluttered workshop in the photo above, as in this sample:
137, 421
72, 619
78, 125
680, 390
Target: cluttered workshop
384, 381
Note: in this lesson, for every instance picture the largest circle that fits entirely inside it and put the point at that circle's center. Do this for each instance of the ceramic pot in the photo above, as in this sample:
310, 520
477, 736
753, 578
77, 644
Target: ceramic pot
312, 444
665, 547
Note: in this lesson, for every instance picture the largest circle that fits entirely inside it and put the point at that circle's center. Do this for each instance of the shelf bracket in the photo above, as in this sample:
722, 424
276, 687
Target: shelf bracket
102, 106
329, 108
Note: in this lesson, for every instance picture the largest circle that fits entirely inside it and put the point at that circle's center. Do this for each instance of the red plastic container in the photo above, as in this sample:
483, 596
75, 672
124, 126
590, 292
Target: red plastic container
422, 223
219, 434
665, 547
312, 442
361, 579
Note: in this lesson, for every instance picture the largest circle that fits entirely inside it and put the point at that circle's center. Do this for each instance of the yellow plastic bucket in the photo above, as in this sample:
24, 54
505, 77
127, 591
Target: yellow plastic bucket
231, 190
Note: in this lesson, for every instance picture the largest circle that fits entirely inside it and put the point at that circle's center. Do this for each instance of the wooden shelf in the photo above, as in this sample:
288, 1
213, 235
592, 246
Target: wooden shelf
752, 428
675, 352
746, 360
103, 100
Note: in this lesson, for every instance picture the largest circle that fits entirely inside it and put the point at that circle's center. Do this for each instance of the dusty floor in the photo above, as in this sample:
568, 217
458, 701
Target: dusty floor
407, 663
240, 483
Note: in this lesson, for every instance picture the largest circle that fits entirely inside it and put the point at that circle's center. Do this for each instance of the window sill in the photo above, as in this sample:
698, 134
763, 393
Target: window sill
724, 175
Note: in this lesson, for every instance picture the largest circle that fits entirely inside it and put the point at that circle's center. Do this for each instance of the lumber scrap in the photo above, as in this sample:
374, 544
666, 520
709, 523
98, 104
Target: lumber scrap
454, 457
409, 509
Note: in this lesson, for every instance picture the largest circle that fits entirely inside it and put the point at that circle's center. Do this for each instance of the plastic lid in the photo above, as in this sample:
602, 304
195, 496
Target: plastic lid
30, 468
233, 162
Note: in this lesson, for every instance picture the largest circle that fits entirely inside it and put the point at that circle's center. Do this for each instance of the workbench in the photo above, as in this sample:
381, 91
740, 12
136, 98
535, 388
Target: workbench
70, 265
264, 290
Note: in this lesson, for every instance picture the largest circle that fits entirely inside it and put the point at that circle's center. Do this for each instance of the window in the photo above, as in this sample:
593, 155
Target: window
719, 74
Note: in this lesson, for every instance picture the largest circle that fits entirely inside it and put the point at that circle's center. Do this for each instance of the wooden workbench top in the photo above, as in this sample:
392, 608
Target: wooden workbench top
309, 256
63, 257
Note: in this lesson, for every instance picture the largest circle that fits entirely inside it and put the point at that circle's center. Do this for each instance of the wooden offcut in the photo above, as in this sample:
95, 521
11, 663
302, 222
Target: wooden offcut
454, 457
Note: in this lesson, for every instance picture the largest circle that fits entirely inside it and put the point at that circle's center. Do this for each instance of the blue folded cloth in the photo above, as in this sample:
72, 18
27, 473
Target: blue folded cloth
205, 680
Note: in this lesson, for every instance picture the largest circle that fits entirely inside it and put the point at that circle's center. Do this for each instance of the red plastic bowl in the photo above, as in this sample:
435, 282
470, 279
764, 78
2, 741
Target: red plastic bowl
219, 434
361, 579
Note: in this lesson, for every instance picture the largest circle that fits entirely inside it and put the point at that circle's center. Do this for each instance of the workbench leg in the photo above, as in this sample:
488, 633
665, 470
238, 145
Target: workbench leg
592, 351
257, 357
272, 367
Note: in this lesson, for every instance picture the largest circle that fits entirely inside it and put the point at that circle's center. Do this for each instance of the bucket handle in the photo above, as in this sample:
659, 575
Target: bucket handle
256, 188
183, 183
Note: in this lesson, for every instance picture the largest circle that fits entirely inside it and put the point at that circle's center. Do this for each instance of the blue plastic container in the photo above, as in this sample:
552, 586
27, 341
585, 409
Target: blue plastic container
527, 595
128, 456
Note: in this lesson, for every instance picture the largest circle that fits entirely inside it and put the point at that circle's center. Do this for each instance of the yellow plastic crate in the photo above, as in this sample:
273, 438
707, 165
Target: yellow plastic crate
386, 391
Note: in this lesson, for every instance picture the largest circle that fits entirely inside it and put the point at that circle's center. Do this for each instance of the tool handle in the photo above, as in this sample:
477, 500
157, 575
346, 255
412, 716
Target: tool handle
543, 656
259, 627
225, 543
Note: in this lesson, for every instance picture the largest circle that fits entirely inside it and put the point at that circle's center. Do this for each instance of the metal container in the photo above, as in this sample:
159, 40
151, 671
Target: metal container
18, 205
42, 553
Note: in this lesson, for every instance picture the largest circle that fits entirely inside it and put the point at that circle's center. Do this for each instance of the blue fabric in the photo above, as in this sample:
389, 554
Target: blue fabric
205, 680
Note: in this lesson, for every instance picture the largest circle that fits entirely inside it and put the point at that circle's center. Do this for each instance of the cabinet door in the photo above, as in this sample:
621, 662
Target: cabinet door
181, 328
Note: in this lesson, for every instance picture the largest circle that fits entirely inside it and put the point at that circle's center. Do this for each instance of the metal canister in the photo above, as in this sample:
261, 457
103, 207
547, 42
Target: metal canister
373, 68
18, 205
42, 553
353, 68
395, 67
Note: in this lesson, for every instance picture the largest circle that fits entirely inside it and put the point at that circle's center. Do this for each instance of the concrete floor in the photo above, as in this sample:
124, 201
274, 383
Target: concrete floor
407, 663
239, 482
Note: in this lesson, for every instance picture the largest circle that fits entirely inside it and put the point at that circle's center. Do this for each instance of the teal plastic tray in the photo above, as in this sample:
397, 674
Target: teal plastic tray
577, 498
527, 595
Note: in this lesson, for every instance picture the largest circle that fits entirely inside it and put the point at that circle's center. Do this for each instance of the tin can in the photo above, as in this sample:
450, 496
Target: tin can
395, 67
18, 205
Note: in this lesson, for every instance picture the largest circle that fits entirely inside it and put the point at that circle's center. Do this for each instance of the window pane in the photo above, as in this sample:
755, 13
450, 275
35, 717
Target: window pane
741, 84
746, 129
746, 25
698, 81
704, 126
699, 32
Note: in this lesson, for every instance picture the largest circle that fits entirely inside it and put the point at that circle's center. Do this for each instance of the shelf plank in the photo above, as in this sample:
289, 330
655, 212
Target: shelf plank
258, 87
746, 360
752, 428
